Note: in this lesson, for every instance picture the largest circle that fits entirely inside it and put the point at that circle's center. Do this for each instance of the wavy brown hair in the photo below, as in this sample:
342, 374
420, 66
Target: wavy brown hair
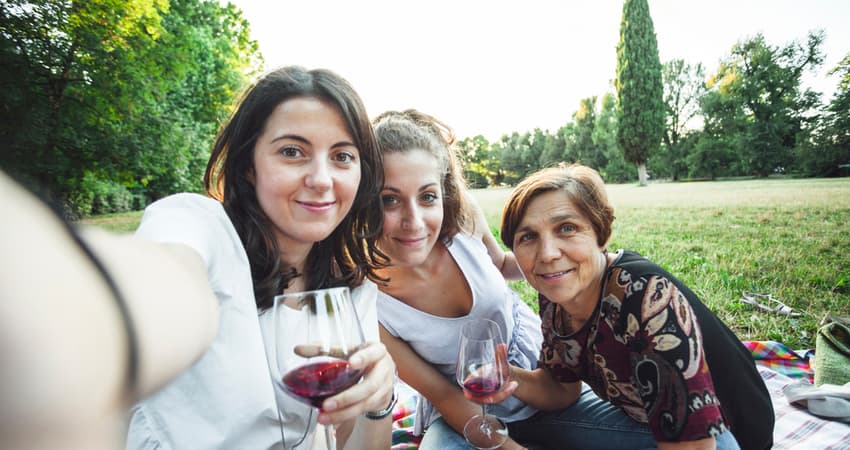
583, 186
349, 254
401, 132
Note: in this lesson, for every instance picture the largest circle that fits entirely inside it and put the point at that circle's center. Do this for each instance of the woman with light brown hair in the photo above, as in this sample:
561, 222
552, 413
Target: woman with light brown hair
618, 322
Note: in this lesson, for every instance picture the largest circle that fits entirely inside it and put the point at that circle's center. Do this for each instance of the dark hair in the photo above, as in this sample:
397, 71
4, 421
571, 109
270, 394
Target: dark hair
583, 186
346, 256
401, 132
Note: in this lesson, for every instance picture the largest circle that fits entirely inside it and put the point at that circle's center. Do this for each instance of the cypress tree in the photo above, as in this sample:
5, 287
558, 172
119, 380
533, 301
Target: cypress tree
640, 92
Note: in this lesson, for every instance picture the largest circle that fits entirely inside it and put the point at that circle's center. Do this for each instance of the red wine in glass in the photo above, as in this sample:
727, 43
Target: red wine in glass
481, 373
480, 386
314, 382
314, 334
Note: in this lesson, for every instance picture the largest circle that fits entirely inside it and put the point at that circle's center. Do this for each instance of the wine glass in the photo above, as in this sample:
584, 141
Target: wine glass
313, 362
481, 372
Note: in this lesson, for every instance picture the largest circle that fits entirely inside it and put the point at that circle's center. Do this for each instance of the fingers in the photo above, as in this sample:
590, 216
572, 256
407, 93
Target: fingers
496, 397
374, 391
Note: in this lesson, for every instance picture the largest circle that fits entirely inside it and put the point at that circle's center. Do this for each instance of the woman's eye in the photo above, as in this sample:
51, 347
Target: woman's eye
291, 152
525, 237
389, 200
567, 228
345, 157
429, 197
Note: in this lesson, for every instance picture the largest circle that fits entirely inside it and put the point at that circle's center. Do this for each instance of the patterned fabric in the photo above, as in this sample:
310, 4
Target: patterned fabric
795, 427
404, 415
642, 351
779, 358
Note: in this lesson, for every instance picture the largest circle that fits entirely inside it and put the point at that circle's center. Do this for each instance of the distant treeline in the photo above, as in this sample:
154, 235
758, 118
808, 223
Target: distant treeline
106, 105
751, 117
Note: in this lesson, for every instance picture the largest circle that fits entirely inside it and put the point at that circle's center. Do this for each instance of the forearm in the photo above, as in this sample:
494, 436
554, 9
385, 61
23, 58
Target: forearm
364, 433
510, 268
702, 444
540, 390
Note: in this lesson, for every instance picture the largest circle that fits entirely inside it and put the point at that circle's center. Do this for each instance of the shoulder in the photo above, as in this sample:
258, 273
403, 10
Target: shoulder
192, 219
466, 244
186, 203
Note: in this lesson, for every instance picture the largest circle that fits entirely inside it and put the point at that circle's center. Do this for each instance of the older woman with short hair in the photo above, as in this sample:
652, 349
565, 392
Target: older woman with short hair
618, 322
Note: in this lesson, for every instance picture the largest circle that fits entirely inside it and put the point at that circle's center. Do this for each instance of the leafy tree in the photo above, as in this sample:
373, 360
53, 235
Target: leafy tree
639, 87
616, 170
684, 84
585, 118
553, 149
827, 153
762, 84
111, 103
474, 154
57, 48
516, 156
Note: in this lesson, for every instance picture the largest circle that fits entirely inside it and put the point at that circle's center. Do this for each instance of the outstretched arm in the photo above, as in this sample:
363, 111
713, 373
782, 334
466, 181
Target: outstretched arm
539, 389
64, 341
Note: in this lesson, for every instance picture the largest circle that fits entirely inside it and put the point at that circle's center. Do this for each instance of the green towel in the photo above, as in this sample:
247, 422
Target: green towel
832, 354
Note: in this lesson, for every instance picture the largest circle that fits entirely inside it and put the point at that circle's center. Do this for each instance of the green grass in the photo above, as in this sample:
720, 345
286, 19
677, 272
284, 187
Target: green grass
789, 238
786, 237
118, 223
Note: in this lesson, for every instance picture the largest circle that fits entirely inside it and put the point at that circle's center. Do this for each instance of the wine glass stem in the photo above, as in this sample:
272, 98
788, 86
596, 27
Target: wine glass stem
330, 438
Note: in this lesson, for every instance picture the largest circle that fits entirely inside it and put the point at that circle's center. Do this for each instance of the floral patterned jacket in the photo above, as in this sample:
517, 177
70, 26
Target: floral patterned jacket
643, 350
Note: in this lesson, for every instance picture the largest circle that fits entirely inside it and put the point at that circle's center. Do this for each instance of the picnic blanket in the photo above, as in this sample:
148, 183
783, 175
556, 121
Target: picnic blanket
778, 365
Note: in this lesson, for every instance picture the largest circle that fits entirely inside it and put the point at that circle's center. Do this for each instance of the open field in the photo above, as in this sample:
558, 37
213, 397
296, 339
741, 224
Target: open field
786, 237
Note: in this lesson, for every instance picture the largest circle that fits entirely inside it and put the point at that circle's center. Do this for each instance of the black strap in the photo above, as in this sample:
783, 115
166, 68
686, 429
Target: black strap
132, 341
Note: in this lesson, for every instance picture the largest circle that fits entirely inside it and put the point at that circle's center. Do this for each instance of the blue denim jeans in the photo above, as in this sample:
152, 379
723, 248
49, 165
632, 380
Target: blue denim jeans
591, 423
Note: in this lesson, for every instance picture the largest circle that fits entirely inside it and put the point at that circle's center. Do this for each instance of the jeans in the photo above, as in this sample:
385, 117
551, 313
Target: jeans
591, 423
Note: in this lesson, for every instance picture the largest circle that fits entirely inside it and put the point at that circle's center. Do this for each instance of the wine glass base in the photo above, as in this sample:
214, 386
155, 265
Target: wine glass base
485, 432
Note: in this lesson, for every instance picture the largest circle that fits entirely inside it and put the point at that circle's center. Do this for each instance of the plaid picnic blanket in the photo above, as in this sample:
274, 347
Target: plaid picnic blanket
795, 427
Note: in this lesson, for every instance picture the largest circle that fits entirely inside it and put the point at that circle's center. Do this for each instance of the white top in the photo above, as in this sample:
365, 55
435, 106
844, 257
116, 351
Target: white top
227, 399
435, 339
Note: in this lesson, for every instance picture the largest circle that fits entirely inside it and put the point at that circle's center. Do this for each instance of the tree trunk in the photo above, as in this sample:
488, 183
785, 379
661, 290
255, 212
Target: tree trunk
641, 166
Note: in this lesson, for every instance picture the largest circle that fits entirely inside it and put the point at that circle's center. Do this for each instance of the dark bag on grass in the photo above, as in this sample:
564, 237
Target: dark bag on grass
832, 354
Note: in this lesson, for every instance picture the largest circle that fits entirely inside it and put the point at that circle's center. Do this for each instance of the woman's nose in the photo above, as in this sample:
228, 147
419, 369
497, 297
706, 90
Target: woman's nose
412, 219
320, 179
549, 249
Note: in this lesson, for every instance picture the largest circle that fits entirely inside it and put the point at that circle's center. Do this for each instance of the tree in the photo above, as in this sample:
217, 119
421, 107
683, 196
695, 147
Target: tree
827, 153
762, 85
111, 103
474, 155
684, 85
587, 152
57, 48
639, 89
616, 170
553, 149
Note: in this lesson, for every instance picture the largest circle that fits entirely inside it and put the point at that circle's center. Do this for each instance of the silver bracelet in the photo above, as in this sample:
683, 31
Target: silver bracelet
380, 414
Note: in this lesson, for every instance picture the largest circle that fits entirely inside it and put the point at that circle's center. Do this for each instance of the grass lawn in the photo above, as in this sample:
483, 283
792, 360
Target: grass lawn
786, 237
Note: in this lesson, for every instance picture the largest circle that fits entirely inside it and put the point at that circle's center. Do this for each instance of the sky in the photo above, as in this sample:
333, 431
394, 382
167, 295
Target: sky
493, 67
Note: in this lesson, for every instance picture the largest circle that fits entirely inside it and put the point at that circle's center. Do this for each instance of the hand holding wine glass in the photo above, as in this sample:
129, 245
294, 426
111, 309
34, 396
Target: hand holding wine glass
313, 365
482, 371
